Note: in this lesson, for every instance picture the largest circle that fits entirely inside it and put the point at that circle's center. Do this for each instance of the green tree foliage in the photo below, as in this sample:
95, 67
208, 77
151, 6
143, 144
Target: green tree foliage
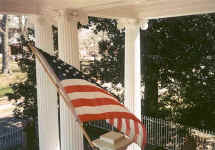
178, 56
25, 93
150, 76
111, 66
25, 96
183, 49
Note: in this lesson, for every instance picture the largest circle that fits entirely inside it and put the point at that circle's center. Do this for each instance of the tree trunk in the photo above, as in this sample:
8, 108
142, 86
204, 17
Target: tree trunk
1, 41
5, 51
23, 34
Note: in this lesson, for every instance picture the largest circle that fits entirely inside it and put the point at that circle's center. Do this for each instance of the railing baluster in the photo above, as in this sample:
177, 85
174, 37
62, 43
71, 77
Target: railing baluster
151, 130
166, 135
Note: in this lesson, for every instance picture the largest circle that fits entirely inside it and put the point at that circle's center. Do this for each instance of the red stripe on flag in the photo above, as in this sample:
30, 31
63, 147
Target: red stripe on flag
136, 128
94, 102
83, 88
128, 128
144, 135
111, 121
107, 115
119, 124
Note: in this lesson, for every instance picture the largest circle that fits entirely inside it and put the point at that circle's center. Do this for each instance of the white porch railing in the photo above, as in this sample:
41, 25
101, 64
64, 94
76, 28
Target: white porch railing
167, 134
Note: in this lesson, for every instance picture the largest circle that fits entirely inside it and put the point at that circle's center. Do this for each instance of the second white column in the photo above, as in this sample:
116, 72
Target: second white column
132, 68
71, 135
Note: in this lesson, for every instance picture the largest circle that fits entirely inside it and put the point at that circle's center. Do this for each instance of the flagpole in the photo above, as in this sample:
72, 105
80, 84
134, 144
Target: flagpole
52, 76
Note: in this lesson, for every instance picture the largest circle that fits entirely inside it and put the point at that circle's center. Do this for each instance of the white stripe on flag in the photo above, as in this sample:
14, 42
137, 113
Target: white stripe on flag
115, 122
140, 136
89, 95
99, 109
123, 129
132, 132
72, 82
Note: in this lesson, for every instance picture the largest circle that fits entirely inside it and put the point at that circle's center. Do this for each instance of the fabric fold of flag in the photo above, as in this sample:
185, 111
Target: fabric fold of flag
92, 102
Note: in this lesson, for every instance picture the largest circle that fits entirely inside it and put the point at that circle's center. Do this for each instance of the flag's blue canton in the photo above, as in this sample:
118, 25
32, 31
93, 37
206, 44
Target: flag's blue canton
64, 70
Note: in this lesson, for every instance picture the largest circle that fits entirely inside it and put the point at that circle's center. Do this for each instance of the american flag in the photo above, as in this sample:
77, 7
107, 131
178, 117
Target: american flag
92, 102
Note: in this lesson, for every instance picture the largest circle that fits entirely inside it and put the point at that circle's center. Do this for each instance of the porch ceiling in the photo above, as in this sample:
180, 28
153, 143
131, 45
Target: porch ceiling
112, 8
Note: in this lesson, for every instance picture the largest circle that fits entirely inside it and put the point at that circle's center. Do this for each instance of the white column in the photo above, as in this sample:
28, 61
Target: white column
71, 134
132, 69
46, 92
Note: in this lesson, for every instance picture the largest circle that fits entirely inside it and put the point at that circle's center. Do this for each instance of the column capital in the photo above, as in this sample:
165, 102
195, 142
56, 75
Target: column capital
73, 15
124, 23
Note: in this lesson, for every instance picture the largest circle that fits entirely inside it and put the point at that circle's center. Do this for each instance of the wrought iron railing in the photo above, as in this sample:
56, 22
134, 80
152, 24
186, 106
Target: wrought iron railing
14, 137
169, 135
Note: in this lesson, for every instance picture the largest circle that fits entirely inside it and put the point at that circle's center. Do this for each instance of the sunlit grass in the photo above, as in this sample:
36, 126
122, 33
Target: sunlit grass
7, 79
16, 76
5, 91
